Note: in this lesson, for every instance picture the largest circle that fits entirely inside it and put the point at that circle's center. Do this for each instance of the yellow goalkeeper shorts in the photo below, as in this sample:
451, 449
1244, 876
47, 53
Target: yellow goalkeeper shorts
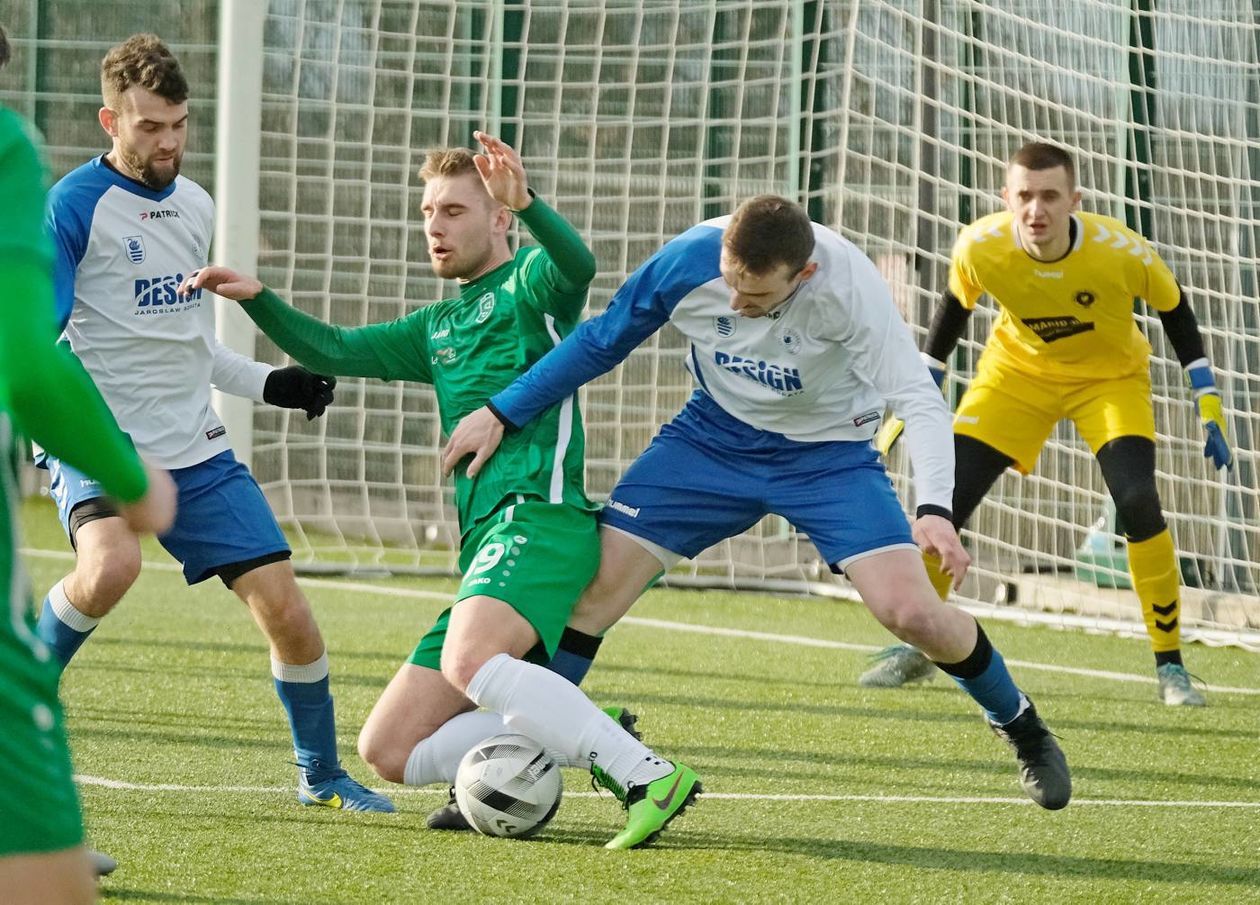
1014, 412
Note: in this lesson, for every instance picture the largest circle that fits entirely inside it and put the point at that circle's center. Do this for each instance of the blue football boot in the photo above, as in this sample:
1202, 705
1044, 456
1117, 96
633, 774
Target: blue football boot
331, 787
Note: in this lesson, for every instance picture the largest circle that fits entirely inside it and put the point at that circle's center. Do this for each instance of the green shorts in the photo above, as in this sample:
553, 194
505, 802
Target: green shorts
537, 558
40, 807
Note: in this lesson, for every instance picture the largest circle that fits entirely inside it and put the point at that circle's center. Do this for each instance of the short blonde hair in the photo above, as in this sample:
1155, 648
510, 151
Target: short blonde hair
447, 162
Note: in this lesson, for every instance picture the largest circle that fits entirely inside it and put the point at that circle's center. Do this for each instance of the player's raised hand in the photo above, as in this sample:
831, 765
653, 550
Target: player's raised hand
478, 434
222, 281
936, 535
155, 511
502, 172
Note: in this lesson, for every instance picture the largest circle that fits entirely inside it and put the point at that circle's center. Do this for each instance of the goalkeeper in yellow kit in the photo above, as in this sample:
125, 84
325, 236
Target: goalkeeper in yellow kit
1066, 346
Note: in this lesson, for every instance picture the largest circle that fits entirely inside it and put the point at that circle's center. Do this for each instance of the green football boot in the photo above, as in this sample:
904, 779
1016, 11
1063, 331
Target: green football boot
650, 807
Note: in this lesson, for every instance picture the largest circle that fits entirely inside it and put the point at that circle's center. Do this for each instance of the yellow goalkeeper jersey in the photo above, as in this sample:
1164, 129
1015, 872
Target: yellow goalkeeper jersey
1066, 319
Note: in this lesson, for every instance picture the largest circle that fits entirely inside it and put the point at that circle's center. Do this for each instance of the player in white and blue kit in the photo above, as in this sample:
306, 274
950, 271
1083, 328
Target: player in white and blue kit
796, 348
127, 230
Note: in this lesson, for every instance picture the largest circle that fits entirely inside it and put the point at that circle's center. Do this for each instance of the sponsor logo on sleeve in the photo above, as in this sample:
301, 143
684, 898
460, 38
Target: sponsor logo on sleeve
866, 418
216, 432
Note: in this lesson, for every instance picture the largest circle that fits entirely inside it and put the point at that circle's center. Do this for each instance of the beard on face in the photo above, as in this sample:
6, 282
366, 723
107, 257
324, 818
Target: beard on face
145, 169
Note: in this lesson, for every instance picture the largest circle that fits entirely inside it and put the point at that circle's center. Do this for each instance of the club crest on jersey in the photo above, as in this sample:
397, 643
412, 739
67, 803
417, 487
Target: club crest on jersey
791, 339
1084, 298
485, 307
724, 325
135, 248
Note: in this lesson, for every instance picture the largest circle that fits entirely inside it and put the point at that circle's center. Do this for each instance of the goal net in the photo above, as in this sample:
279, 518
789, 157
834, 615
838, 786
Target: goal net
889, 120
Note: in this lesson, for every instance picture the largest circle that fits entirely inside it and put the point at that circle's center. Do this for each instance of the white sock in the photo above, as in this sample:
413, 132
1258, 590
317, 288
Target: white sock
436, 758
67, 612
549, 708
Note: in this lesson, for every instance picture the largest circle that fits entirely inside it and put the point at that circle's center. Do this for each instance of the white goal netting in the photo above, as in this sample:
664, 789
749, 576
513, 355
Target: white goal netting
890, 120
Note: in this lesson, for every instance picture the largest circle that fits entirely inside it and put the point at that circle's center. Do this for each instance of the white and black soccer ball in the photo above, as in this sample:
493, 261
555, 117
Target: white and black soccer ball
508, 786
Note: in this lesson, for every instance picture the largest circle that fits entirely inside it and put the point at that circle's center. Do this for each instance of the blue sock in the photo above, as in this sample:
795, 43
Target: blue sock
984, 676
303, 691
61, 626
574, 656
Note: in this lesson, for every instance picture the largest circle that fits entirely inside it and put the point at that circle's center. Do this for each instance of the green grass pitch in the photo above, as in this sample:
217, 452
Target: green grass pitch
819, 790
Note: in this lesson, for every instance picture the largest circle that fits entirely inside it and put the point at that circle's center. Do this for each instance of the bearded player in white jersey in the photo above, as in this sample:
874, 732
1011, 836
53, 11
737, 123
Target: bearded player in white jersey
128, 229
796, 348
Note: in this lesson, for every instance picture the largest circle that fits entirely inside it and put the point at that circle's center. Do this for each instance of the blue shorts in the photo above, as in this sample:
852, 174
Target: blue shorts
222, 520
708, 476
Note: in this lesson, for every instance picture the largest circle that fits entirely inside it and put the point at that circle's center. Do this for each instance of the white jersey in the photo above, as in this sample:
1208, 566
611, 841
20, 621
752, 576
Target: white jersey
820, 367
122, 251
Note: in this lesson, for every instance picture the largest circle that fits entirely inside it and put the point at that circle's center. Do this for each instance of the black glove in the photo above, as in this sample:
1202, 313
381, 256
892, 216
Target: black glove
295, 387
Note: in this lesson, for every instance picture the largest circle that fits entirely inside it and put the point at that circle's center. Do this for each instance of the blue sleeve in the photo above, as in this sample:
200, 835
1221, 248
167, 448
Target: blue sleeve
639, 308
71, 204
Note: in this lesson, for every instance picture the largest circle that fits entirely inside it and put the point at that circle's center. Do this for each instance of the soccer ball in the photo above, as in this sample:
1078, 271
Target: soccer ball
508, 786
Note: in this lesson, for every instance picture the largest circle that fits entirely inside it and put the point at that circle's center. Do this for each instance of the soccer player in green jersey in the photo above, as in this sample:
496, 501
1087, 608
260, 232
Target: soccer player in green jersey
525, 513
45, 394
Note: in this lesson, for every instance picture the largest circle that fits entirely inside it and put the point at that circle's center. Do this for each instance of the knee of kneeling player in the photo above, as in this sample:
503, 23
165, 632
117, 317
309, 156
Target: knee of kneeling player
460, 665
383, 754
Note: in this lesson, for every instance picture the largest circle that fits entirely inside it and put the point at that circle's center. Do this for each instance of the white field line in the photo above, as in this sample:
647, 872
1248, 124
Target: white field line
799, 640
119, 785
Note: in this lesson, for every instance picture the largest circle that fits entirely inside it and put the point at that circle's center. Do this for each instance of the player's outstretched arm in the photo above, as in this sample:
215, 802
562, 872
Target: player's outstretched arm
477, 434
391, 351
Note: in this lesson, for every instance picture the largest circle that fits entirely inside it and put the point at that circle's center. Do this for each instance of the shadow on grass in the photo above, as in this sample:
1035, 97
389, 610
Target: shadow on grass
1000, 764
1014, 863
126, 894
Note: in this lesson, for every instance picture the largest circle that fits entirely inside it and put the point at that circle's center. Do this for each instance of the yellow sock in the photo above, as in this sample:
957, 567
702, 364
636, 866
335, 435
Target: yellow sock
1153, 565
940, 580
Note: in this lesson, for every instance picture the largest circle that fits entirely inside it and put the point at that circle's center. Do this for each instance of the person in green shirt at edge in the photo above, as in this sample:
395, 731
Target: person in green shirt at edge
528, 536
46, 396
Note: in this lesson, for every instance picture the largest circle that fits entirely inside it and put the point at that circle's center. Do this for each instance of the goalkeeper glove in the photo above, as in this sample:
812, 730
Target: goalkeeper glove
1207, 405
890, 433
295, 387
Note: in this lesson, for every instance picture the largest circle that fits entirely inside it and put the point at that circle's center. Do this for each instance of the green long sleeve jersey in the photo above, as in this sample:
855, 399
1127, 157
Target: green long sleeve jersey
470, 348
44, 391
